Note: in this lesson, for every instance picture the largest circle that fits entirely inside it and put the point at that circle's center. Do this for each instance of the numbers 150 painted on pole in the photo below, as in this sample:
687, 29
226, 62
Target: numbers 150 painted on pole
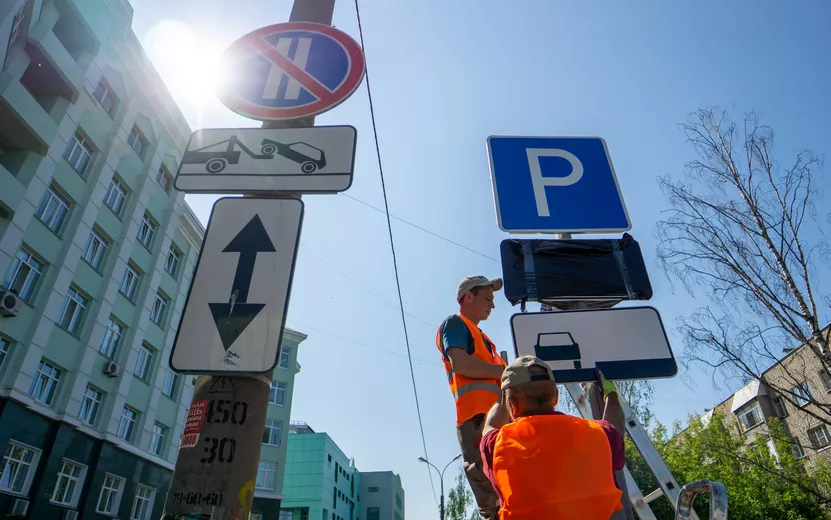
221, 411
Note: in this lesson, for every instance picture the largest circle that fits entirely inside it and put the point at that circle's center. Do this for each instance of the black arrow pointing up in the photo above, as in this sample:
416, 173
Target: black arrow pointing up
233, 317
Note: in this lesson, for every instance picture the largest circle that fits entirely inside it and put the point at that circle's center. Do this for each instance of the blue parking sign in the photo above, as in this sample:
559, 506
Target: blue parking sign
555, 185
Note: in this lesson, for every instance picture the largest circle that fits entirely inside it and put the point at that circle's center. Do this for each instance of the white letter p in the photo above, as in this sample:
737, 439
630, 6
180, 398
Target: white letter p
541, 182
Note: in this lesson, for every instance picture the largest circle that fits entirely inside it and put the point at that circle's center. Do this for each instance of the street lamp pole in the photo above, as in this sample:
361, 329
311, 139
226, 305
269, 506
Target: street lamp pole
441, 480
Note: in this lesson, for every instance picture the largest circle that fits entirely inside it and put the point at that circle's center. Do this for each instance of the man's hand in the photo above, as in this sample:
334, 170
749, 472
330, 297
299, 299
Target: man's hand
609, 388
498, 415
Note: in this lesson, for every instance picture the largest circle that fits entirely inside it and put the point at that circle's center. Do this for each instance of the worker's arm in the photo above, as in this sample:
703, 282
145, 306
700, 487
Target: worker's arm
469, 366
613, 412
497, 416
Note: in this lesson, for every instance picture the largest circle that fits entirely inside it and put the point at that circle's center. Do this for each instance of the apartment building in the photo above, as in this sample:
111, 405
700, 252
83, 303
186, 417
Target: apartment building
269, 491
801, 402
382, 497
96, 256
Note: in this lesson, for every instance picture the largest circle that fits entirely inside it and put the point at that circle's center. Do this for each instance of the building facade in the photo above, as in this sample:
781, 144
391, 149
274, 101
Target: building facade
99, 250
382, 497
321, 482
270, 485
796, 391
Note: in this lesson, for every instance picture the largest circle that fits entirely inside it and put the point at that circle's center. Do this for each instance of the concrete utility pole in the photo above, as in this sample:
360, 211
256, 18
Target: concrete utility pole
214, 479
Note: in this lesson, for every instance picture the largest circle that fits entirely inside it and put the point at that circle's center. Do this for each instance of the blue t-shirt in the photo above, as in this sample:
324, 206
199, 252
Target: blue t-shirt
455, 334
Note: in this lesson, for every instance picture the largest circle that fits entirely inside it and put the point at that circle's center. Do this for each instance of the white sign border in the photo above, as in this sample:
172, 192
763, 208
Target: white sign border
285, 306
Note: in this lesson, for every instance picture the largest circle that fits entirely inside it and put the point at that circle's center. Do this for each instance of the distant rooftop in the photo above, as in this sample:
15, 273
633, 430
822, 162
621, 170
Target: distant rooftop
296, 427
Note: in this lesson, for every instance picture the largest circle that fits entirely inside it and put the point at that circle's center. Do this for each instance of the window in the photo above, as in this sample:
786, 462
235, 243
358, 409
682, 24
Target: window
16, 33
749, 415
69, 482
267, 476
285, 357
130, 282
174, 257
24, 274
5, 346
277, 394
137, 141
110, 496
19, 463
105, 95
157, 440
78, 154
779, 406
373, 513
273, 432
171, 381
157, 313
801, 394
144, 364
819, 437
116, 195
798, 452
398, 503
72, 314
286, 515
45, 382
164, 178
825, 377
143, 503
127, 423
146, 231
95, 249
53, 209
90, 404
112, 337
373, 489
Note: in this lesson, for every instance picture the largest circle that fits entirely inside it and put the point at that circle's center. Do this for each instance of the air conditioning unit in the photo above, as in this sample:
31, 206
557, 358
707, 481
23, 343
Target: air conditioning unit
111, 368
70, 515
19, 507
9, 303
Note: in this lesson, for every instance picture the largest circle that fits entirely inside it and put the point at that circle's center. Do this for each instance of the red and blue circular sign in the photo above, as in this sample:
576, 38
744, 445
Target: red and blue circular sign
291, 70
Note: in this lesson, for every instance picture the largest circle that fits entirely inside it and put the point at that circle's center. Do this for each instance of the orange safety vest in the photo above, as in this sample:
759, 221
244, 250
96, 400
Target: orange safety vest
555, 467
472, 396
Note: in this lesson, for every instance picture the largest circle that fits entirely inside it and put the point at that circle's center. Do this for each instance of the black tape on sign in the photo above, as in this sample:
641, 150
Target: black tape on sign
551, 270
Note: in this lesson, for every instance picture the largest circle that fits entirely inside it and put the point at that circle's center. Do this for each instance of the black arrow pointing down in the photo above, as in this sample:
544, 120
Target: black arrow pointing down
233, 318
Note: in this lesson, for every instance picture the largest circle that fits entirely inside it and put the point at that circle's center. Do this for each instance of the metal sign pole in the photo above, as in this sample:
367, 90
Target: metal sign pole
216, 479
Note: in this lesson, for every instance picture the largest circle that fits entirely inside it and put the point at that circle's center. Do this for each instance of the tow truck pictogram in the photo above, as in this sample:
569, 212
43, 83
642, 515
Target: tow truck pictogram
215, 160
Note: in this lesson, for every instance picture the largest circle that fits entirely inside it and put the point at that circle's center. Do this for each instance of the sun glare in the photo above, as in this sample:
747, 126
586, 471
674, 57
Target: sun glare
188, 63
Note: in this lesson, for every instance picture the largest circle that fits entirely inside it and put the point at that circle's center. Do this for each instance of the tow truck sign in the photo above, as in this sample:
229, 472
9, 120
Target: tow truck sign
316, 159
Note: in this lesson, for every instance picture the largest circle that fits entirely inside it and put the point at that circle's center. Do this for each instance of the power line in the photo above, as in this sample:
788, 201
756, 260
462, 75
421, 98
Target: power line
424, 230
392, 248
363, 286
305, 326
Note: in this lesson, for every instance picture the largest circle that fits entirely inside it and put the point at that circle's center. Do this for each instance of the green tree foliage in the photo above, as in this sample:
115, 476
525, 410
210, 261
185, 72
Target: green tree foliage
460, 505
759, 485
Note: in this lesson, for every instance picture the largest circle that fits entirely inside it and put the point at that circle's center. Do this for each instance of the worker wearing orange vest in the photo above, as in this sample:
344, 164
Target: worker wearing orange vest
544, 464
473, 369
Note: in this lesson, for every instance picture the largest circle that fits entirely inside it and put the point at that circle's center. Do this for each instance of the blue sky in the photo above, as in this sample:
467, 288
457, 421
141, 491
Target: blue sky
445, 76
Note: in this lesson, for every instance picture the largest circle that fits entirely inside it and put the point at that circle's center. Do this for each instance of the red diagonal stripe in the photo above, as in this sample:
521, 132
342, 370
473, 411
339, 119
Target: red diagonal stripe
311, 84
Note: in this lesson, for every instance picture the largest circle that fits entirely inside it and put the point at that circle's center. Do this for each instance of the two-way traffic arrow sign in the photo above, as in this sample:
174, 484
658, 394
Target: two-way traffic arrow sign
235, 312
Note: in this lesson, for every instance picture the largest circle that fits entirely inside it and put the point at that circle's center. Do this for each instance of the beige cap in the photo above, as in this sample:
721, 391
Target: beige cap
519, 373
477, 281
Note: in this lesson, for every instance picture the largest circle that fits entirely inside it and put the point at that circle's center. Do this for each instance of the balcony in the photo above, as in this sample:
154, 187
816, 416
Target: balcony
49, 48
73, 33
25, 123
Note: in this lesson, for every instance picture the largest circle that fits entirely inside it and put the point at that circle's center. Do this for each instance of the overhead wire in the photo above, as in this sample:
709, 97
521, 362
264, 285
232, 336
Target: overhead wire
424, 230
363, 286
392, 249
